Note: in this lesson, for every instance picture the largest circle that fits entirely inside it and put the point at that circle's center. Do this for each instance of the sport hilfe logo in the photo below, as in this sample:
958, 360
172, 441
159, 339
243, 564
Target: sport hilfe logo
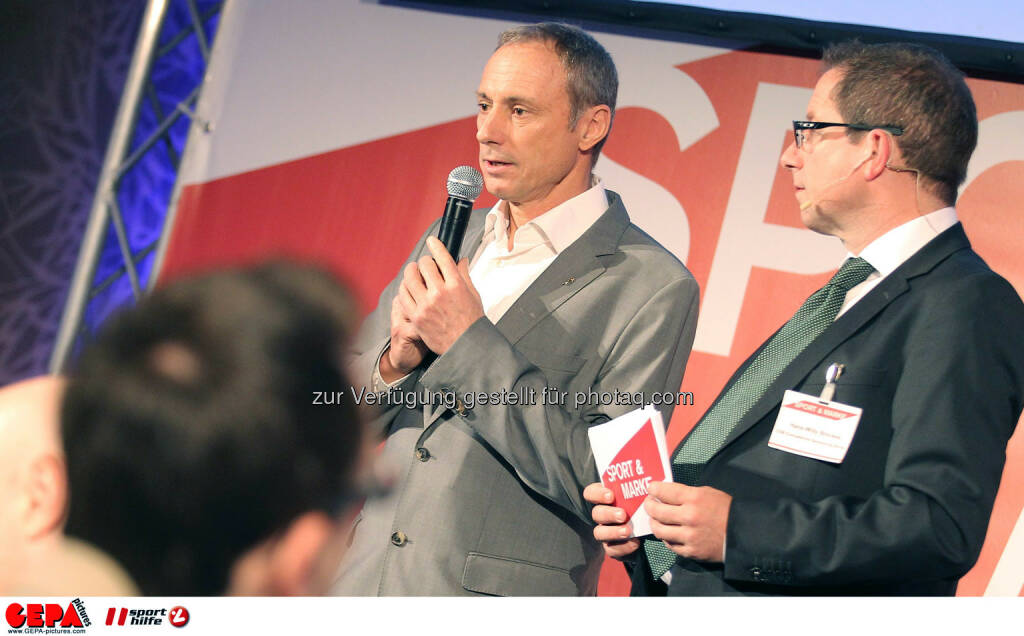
177, 616
47, 615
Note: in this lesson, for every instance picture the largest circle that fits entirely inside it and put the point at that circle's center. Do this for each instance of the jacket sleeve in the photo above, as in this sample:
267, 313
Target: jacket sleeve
547, 444
373, 338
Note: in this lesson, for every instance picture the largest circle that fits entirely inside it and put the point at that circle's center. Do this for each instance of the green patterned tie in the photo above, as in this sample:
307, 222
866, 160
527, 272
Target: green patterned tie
813, 317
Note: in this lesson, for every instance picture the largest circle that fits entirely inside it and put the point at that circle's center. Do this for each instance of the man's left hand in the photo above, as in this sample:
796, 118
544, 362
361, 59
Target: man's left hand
691, 521
446, 303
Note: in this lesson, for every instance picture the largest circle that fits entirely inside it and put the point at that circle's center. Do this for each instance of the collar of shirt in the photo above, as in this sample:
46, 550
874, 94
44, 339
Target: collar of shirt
892, 249
558, 228
502, 275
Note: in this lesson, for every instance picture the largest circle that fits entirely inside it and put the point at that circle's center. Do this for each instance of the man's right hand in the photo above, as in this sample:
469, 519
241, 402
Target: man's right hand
406, 351
612, 529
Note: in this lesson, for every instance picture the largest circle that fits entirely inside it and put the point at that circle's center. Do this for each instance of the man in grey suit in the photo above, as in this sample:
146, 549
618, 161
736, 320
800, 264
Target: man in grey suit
930, 340
560, 313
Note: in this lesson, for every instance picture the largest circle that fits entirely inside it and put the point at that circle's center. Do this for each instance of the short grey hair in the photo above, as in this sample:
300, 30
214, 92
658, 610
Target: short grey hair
591, 78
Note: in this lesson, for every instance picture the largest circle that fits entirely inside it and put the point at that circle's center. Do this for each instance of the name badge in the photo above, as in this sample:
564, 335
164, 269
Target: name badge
816, 427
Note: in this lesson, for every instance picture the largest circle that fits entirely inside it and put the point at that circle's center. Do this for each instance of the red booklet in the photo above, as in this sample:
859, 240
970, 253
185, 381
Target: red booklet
630, 453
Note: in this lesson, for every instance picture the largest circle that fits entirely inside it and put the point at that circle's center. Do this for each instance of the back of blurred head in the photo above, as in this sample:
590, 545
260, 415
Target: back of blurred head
195, 455
35, 557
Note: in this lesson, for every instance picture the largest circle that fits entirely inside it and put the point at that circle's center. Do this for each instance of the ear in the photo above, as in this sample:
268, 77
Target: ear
46, 497
880, 150
593, 126
295, 558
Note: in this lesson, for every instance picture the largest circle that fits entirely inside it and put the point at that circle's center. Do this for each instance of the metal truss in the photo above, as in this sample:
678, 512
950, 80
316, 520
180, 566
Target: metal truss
140, 91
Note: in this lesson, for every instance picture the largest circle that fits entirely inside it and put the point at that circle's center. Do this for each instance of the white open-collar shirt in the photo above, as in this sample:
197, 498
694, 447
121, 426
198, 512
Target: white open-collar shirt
501, 275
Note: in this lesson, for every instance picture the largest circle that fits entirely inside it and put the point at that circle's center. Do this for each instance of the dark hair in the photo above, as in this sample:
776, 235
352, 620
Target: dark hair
917, 89
189, 425
590, 72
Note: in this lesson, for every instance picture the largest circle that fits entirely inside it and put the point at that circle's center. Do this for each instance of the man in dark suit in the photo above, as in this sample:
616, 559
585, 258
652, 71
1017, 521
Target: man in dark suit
929, 339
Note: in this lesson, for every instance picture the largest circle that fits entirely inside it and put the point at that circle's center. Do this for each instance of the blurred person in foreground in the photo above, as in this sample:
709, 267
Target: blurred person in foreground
196, 455
929, 337
35, 557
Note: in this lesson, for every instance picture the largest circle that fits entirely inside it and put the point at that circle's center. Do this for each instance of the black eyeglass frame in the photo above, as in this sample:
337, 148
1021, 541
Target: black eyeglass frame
799, 127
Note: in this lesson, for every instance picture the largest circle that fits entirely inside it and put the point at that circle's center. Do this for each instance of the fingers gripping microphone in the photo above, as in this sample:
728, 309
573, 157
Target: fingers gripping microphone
464, 186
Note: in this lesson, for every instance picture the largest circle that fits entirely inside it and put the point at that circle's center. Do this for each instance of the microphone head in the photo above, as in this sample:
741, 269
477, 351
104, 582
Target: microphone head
465, 182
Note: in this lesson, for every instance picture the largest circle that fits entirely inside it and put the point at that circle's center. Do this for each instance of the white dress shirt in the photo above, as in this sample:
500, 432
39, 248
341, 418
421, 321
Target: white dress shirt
892, 249
501, 275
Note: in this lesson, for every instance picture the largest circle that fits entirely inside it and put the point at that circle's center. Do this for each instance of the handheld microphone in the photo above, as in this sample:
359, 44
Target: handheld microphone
464, 186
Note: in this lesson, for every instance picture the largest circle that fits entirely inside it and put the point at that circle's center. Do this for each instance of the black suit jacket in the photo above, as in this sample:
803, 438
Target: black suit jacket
934, 355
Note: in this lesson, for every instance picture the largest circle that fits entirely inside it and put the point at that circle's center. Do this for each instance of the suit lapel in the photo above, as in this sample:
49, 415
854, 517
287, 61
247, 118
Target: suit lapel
575, 267
894, 285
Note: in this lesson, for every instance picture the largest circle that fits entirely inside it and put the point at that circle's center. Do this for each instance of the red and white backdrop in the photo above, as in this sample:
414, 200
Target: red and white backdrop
333, 126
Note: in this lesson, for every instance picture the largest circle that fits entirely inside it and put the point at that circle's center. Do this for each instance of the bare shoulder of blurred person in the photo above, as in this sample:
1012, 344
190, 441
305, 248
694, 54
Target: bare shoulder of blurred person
75, 568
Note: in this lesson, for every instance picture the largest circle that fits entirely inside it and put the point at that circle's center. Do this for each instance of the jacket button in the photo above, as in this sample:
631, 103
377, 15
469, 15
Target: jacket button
756, 573
399, 538
422, 454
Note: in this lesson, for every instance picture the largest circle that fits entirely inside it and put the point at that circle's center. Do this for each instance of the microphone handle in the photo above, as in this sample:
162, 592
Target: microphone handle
453, 224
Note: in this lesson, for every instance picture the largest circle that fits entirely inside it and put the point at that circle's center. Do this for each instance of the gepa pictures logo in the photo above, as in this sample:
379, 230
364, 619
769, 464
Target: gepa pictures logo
27, 618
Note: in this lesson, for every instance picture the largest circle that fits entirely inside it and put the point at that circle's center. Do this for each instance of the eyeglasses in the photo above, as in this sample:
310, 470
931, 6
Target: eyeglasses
800, 129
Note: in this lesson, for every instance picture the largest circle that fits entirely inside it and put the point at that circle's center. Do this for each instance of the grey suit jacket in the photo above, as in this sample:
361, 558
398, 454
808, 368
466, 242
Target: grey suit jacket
934, 357
489, 497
